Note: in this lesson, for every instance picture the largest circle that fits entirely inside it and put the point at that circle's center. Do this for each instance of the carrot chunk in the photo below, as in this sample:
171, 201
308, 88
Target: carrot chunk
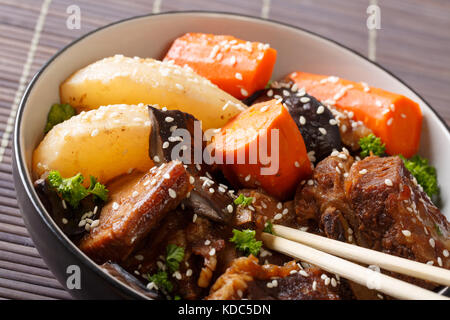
394, 118
236, 66
263, 148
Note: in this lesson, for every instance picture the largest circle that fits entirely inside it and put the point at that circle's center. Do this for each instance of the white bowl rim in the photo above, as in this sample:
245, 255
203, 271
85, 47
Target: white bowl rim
22, 167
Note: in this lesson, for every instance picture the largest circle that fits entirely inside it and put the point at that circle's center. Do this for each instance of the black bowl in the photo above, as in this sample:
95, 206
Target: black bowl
60, 254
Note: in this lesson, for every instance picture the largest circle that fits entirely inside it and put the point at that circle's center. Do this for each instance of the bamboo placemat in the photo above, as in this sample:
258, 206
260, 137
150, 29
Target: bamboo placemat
413, 42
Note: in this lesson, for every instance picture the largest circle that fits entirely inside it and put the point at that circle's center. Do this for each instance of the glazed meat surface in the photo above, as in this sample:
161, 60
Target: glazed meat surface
376, 203
134, 211
245, 278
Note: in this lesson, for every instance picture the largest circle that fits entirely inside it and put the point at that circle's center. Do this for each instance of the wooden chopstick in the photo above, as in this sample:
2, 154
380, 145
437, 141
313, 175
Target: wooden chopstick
367, 256
349, 270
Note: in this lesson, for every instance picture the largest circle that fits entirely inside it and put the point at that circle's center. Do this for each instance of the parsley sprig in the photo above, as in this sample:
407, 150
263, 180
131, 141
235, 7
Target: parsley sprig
371, 144
57, 114
424, 173
175, 255
243, 200
246, 242
72, 189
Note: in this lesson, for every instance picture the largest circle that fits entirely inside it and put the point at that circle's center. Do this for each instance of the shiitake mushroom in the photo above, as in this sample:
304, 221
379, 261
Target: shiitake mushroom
66, 217
212, 205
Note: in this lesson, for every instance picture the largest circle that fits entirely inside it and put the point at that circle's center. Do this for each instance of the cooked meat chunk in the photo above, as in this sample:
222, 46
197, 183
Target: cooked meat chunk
264, 208
378, 204
134, 210
245, 278
321, 201
393, 214
203, 242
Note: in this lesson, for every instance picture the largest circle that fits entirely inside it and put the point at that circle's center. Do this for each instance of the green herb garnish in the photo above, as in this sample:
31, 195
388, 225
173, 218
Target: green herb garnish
268, 227
371, 145
72, 190
161, 279
98, 190
424, 173
57, 114
175, 255
243, 200
245, 241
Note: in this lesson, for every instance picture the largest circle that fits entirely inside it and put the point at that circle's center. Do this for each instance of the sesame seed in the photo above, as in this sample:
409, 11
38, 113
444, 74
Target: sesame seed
94, 132
191, 180
320, 110
247, 178
264, 109
211, 190
238, 76
156, 159
302, 120
270, 93
279, 205
297, 164
285, 211
310, 182
388, 182
244, 92
278, 216
275, 283
363, 171
139, 257
332, 122
406, 233
169, 119
177, 275
389, 122
188, 272
194, 218
333, 282
269, 285
323, 131
314, 285
115, 206
212, 252
64, 204
165, 145
327, 281
65, 221
172, 193
445, 253
303, 273
304, 99
439, 260
430, 263
432, 242
230, 208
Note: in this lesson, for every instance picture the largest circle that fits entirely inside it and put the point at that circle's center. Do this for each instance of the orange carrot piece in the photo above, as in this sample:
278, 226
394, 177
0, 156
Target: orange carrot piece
249, 133
236, 66
394, 118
